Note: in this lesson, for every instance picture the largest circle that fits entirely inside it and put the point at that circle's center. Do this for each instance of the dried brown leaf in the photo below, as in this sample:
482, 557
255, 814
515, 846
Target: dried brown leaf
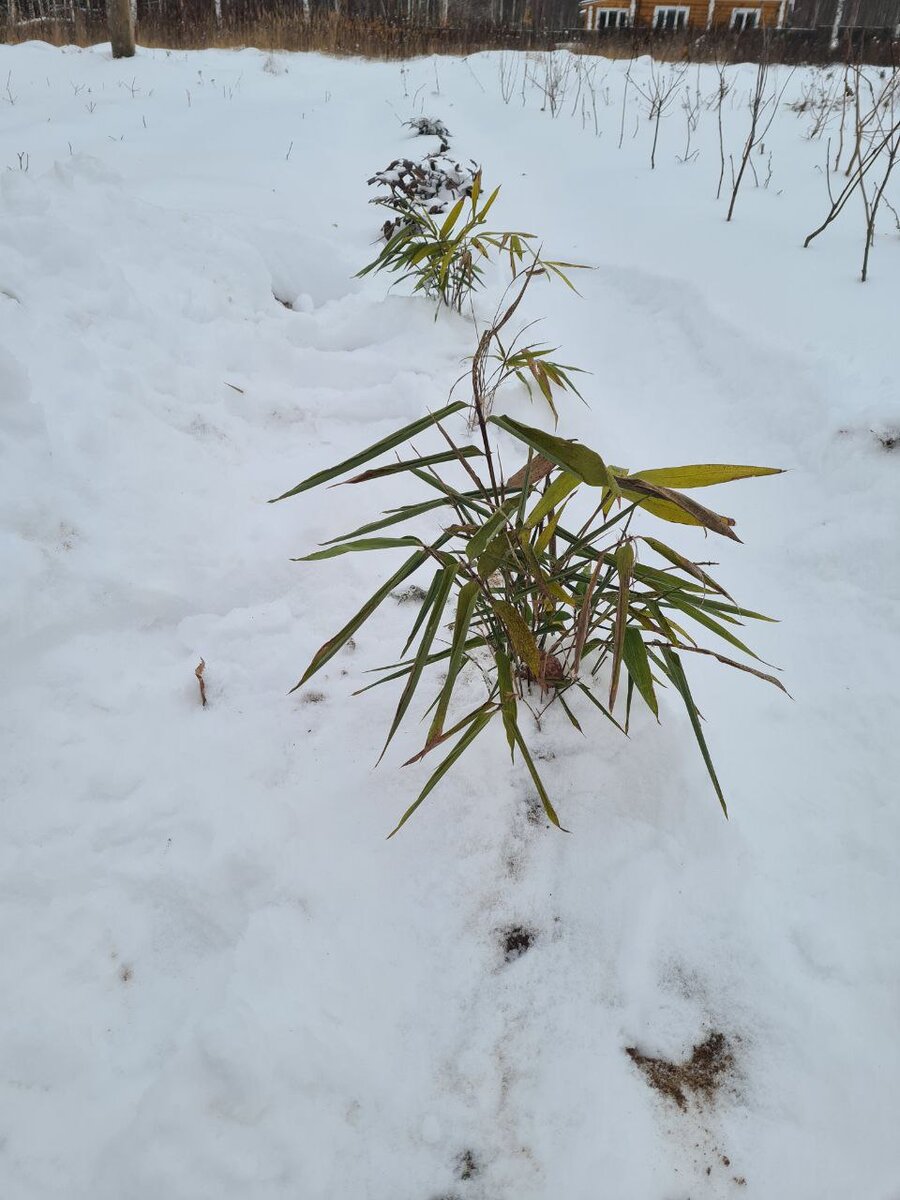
198, 671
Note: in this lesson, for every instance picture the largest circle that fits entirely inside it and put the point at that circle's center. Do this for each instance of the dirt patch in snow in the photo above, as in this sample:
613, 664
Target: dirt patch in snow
467, 1165
516, 940
698, 1076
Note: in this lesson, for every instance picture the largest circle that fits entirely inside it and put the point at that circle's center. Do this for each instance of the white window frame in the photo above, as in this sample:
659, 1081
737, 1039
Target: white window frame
667, 8
746, 12
613, 18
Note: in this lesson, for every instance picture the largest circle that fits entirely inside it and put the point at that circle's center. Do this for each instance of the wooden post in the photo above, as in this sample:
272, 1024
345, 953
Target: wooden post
121, 27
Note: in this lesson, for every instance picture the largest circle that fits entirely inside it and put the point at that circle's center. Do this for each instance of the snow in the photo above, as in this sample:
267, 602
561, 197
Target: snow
219, 979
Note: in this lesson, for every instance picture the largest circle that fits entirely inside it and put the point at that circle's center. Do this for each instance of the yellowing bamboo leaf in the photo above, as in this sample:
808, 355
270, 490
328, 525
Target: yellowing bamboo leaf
520, 635
700, 475
546, 534
561, 487
452, 217
636, 488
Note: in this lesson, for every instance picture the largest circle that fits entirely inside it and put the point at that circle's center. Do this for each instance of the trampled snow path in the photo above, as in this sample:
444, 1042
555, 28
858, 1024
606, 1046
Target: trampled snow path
218, 979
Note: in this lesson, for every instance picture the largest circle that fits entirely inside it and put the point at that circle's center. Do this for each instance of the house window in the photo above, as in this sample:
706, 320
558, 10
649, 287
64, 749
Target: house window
670, 18
611, 18
745, 18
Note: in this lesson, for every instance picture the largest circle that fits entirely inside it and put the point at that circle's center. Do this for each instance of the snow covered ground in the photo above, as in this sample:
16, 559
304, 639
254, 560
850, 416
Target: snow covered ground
218, 979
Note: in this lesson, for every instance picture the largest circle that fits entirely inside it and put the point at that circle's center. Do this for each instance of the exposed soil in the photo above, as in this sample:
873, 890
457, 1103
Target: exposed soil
698, 1076
467, 1165
516, 941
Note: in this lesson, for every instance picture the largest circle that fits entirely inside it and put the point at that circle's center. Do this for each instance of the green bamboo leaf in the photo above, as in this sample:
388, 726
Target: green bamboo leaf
395, 517
358, 546
507, 697
670, 633
624, 557
593, 699
389, 250
498, 551
705, 619
465, 606
466, 500
536, 779
421, 252
489, 530
334, 644
738, 666
572, 718
729, 609
703, 474
474, 643
685, 564
675, 671
428, 460
638, 666
446, 579
461, 746
373, 451
424, 609
578, 459
665, 583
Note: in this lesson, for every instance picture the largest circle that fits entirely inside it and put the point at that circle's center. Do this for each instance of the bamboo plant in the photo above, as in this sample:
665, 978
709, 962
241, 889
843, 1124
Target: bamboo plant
446, 257
546, 583
548, 611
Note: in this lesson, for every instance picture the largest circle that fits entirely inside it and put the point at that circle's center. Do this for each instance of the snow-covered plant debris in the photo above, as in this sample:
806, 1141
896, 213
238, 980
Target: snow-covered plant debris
432, 184
429, 127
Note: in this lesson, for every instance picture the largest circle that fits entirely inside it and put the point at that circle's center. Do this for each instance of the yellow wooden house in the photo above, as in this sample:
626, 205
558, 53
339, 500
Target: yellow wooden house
706, 14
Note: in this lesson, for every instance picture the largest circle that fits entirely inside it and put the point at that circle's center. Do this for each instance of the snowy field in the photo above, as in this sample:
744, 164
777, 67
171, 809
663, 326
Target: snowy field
219, 980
